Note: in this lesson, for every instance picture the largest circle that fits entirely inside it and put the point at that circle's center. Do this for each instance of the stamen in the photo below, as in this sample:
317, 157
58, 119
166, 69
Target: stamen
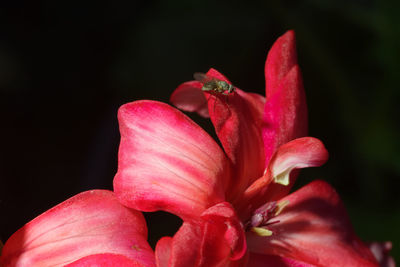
261, 231
280, 206
262, 217
282, 177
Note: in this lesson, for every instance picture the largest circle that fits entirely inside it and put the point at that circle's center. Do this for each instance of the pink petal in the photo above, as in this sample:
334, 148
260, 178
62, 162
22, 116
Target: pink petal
189, 97
217, 239
237, 118
285, 115
262, 260
276, 183
313, 228
167, 162
92, 226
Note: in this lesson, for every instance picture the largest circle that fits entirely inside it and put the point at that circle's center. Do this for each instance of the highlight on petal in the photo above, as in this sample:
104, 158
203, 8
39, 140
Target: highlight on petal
189, 97
216, 239
167, 162
237, 118
91, 227
313, 228
285, 114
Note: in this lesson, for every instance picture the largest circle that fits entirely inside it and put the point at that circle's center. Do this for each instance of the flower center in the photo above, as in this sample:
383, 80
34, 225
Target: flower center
263, 217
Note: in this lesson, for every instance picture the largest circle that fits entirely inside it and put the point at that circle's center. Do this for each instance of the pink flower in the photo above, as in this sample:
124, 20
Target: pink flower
89, 229
234, 202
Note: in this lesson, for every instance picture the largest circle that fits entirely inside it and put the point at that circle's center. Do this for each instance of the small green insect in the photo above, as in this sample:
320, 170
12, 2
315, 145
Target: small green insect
213, 85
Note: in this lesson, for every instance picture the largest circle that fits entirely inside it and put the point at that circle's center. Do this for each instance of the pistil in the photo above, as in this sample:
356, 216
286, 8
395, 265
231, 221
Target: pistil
261, 217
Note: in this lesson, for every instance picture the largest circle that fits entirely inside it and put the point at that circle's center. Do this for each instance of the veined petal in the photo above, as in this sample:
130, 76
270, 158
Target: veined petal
92, 227
216, 239
167, 162
189, 97
285, 115
237, 118
262, 260
314, 228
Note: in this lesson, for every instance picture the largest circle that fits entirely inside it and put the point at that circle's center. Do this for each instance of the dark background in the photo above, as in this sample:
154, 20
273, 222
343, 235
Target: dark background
65, 68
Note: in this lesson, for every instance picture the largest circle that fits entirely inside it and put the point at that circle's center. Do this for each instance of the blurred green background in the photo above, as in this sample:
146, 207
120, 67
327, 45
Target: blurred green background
66, 67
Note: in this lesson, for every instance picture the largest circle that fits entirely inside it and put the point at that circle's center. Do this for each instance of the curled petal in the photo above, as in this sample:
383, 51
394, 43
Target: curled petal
167, 162
285, 114
299, 153
189, 97
91, 227
217, 239
313, 228
237, 118
224, 215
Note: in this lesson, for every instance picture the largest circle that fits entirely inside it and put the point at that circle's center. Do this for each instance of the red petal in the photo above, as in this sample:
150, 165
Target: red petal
91, 224
314, 228
262, 260
167, 162
285, 115
189, 97
237, 119
217, 239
